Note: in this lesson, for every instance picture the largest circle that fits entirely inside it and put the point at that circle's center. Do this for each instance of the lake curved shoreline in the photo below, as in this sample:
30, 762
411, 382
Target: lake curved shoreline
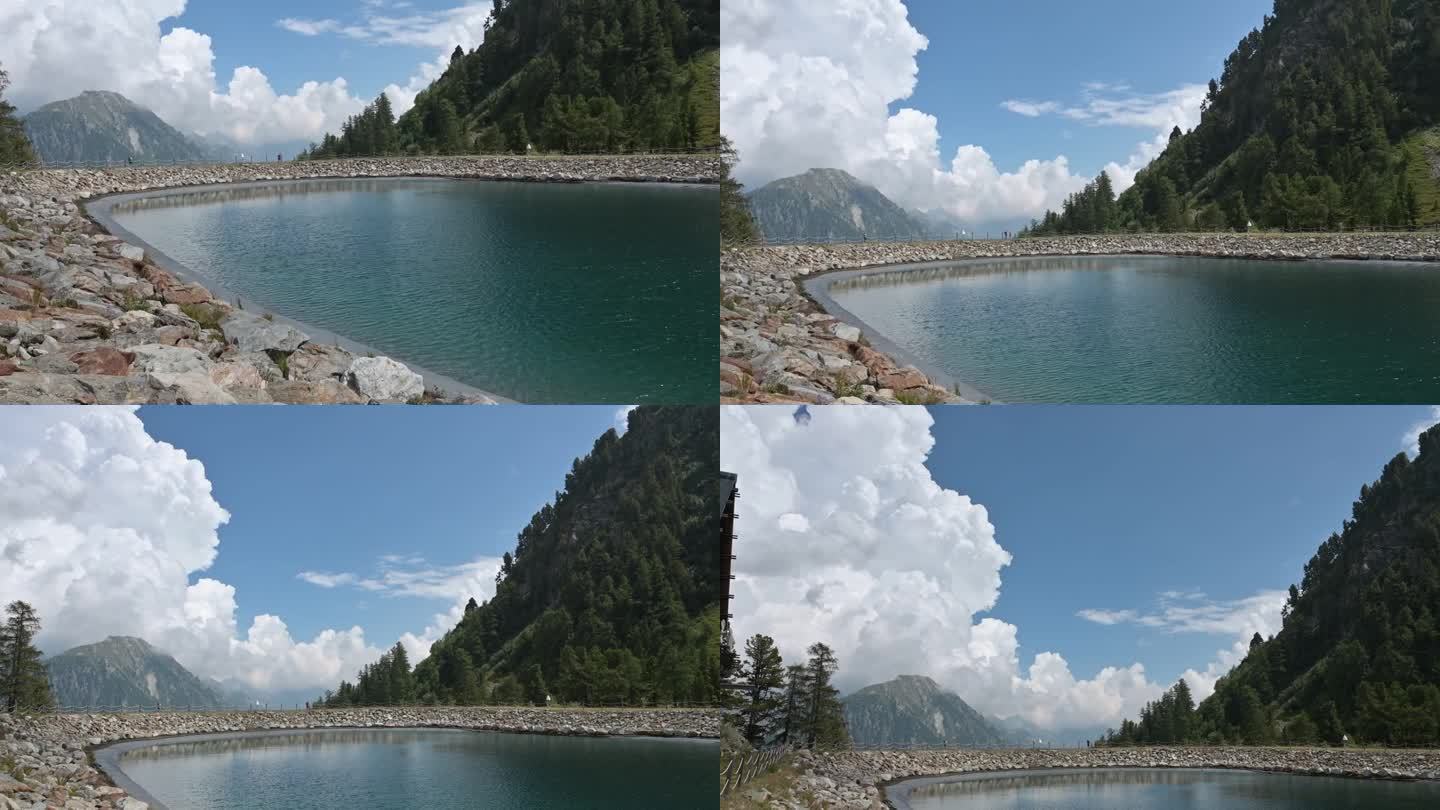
862, 778
88, 317
784, 339
109, 757
99, 209
896, 794
54, 751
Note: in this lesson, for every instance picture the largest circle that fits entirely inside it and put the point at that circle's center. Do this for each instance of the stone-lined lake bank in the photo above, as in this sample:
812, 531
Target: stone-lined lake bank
778, 344
858, 779
45, 759
86, 317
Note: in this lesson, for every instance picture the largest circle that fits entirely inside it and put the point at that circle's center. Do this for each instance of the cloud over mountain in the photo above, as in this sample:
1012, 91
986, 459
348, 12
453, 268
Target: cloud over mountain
102, 528
806, 85
847, 539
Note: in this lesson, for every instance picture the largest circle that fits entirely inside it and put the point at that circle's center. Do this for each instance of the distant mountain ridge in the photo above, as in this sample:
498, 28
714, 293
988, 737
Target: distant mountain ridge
127, 671
914, 710
99, 126
830, 204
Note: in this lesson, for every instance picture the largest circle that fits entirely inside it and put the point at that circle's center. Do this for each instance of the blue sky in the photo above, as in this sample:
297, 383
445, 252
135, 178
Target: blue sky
336, 489
249, 34
983, 54
991, 112
1106, 508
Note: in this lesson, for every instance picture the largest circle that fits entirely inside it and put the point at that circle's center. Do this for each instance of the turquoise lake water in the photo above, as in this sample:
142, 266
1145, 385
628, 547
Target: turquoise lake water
442, 769
1168, 789
583, 293
1143, 329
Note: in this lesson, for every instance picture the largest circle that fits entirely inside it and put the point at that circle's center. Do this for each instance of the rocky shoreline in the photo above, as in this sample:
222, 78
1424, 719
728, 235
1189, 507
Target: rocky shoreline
859, 779
777, 344
87, 318
45, 760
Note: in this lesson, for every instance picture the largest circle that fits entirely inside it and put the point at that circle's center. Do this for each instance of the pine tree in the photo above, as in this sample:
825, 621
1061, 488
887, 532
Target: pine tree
385, 133
1183, 717
509, 692
825, 723
448, 133
534, 686
792, 726
14, 143
764, 676
517, 139
737, 225
24, 681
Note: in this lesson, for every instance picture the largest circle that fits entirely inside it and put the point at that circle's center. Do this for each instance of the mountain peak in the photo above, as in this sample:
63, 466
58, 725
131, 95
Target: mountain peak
101, 126
126, 671
825, 204
914, 709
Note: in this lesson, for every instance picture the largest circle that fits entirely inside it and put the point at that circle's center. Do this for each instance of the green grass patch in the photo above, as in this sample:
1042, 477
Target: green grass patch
919, 396
207, 315
846, 387
282, 359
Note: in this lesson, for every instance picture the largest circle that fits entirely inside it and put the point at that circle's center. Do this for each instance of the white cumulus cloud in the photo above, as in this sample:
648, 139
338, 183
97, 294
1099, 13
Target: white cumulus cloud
1411, 442
1179, 612
55, 49
412, 576
806, 85
102, 529
848, 540
173, 74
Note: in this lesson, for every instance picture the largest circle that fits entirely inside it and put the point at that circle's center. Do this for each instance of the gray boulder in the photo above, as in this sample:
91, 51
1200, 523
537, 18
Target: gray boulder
381, 379
252, 333
162, 359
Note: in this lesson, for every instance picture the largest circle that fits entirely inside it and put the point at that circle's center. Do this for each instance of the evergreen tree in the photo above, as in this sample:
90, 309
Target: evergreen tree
764, 677
448, 134
825, 721
24, 682
14, 143
509, 692
792, 726
737, 225
517, 138
534, 685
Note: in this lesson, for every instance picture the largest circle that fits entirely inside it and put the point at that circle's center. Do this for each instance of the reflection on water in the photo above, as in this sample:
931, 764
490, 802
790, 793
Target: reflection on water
212, 195
949, 272
1183, 788
446, 769
1141, 329
310, 740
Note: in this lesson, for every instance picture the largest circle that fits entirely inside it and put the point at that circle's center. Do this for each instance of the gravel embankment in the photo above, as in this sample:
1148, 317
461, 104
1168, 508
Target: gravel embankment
778, 345
857, 779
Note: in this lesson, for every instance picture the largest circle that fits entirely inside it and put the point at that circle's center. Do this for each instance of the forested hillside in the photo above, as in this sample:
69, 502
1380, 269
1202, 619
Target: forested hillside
611, 595
1318, 121
1358, 656
563, 76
